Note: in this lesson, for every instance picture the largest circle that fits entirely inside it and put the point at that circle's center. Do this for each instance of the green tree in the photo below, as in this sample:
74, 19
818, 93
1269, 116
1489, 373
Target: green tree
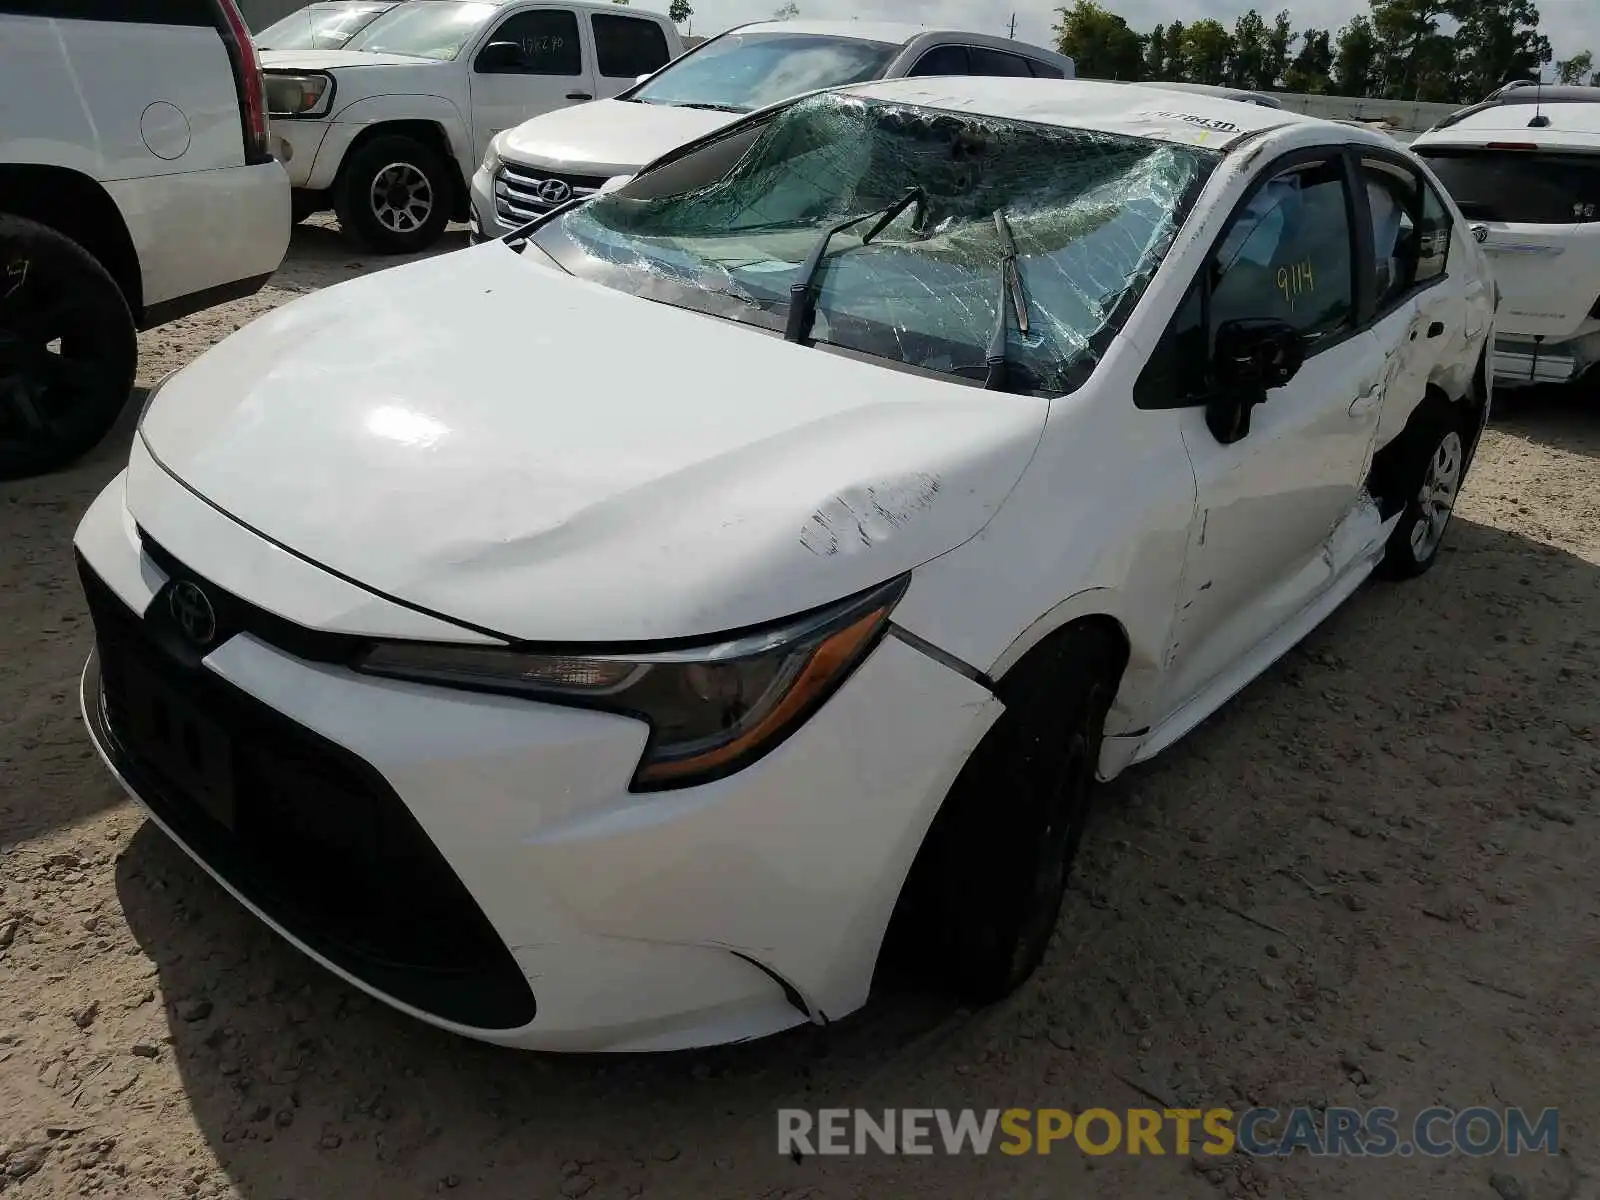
1207, 50
1415, 62
1312, 69
1173, 71
1355, 63
680, 11
1498, 41
1099, 42
1247, 62
1577, 69
1155, 53
1280, 41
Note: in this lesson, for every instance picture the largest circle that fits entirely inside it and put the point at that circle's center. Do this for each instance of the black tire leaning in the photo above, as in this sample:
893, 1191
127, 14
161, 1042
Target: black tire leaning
57, 404
360, 217
1434, 461
985, 893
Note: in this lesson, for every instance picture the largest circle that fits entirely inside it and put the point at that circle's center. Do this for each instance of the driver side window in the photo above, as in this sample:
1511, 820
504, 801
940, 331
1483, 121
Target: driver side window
1286, 255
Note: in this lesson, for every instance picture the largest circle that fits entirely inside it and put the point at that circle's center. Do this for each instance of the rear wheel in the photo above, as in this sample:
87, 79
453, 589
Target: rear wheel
1435, 466
985, 893
394, 195
68, 350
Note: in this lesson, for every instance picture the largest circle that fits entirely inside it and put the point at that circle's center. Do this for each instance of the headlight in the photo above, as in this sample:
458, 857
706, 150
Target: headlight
712, 709
302, 95
491, 158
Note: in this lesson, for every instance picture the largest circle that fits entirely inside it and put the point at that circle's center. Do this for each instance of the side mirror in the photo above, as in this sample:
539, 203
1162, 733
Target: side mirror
1252, 357
500, 56
1262, 353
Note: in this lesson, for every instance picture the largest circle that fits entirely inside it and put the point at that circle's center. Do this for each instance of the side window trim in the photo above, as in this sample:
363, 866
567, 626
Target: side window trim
1365, 277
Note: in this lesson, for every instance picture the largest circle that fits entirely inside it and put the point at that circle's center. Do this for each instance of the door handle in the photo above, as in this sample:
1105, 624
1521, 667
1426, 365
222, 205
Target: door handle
579, 96
1436, 329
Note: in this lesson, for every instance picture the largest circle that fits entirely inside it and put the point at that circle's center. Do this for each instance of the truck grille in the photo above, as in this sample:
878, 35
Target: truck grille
523, 193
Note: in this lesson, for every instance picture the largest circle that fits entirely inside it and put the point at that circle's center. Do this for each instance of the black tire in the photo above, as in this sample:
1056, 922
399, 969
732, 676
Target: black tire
985, 893
404, 218
1434, 462
68, 350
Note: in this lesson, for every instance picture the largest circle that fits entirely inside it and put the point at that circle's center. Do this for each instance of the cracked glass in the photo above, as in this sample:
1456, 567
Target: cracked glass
1091, 214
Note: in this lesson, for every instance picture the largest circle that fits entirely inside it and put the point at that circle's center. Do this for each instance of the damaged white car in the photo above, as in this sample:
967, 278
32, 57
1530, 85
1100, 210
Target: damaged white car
613, 637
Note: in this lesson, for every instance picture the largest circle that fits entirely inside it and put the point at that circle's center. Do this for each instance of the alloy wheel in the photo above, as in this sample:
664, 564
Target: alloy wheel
1437, 497
401, 197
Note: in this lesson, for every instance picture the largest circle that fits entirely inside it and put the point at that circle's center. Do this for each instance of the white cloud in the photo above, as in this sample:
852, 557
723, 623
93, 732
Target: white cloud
1572, 25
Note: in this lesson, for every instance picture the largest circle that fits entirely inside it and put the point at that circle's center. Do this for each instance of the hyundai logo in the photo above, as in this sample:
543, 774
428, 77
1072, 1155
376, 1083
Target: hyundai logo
191, 609
555, 191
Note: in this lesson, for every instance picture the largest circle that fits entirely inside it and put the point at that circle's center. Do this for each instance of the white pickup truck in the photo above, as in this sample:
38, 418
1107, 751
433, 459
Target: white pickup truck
388, 130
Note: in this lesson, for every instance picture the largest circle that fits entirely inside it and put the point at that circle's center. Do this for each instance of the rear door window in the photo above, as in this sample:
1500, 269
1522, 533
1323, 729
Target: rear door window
942, 60
143, 12
627, 47
1043, 70
996, 62
1532, 187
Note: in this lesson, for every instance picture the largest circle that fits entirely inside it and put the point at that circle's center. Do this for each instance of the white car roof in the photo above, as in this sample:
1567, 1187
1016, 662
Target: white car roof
894, 32
1570, 124
1132, 109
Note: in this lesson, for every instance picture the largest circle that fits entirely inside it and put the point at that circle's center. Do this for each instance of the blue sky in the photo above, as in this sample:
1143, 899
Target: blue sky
1572, 25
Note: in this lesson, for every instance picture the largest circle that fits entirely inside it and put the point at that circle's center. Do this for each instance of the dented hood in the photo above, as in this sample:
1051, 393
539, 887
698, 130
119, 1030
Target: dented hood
486, 437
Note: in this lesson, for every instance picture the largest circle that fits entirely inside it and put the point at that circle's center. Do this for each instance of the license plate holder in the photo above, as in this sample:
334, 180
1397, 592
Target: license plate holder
191, 751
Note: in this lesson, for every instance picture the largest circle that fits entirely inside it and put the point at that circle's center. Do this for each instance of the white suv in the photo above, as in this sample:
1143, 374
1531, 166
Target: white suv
546, 161
136, 186
388, 129
1524, 166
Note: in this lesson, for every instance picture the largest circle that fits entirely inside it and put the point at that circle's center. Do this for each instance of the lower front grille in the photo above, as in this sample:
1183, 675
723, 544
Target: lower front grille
302, 828
523, 193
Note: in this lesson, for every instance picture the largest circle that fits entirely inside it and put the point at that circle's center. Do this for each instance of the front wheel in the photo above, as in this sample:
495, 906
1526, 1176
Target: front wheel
68, 350
1435, 469
394, 195
985, 893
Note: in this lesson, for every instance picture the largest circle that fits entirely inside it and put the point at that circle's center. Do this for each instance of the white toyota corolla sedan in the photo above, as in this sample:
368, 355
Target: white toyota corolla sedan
600, 638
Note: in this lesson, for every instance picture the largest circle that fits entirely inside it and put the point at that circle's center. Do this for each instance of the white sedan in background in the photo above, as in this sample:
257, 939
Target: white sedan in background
605, 639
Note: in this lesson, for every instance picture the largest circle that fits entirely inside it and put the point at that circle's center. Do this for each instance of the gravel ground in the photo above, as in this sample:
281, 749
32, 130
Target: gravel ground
1370, 880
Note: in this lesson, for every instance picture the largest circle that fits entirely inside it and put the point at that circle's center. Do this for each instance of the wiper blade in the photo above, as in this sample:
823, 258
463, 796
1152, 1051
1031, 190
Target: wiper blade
803, 292
1010, 294
708, 107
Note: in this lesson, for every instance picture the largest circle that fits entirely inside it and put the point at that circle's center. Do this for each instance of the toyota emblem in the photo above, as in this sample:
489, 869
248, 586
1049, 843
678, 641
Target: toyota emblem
191, 609
555, 191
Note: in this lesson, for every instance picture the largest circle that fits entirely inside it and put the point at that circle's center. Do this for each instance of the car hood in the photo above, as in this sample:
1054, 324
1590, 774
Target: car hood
607, 137
329, 60
486, 437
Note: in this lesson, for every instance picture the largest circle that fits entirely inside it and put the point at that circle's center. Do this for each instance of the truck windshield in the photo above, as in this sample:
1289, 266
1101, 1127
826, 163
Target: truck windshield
425, 28
1090, 215
1533, 187
741, 72
318, 27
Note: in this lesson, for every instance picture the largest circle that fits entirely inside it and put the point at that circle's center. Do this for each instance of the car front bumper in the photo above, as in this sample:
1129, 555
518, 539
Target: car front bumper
478, 861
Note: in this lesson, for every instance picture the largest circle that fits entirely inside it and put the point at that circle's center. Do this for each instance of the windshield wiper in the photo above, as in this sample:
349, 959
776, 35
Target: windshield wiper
704, 106
1010, 293
803, 291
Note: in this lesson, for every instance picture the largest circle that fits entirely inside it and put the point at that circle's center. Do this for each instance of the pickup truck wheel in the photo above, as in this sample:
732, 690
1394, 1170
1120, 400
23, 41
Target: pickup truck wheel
394, 195
68, 350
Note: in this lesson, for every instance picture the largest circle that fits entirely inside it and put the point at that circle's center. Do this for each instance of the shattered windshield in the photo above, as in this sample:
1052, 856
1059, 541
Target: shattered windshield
1090, 216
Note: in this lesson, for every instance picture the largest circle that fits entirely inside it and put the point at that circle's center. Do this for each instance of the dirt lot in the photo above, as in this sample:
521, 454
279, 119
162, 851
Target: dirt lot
1371, 880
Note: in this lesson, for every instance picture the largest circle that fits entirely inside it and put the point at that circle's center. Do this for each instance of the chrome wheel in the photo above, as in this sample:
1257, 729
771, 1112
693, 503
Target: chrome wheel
401, 197
1437, 499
